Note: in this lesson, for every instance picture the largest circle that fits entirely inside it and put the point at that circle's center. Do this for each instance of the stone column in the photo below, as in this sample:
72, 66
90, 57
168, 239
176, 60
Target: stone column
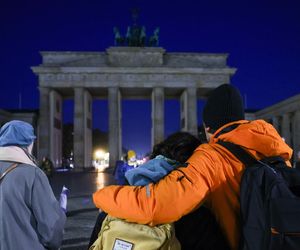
114, 123
55, 128
188, 111
286, 132
157, 115
275, 123
82, 128
88, 129
43, 127
78, 128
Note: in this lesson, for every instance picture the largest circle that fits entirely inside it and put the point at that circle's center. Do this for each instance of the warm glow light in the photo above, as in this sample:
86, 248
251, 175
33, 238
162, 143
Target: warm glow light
100, 180
101, 160
99, 154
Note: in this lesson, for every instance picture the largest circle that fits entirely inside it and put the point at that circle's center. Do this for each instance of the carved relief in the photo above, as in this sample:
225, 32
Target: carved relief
86, 79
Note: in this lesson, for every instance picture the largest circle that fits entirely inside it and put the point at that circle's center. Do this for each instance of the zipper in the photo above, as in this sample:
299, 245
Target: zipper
274, 231
283, 235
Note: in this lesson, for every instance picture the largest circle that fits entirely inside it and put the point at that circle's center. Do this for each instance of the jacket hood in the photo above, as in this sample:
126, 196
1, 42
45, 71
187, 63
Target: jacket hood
16, 133
259, 137
151, 171
15, 154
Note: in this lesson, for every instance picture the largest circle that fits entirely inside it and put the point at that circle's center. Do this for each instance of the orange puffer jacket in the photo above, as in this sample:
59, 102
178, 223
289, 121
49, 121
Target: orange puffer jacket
212, 176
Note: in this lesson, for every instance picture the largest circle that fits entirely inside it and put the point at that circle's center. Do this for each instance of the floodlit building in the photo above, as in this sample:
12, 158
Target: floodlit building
115, 74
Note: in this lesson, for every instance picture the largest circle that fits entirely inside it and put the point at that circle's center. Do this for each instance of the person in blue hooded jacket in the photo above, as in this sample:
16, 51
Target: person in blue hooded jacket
30, 215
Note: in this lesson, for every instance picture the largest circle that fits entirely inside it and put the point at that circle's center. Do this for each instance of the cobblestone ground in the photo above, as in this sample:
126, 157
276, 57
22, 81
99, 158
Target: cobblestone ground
81, 212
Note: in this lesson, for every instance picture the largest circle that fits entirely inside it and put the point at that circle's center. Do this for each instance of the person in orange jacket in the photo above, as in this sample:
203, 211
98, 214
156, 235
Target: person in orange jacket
211, 177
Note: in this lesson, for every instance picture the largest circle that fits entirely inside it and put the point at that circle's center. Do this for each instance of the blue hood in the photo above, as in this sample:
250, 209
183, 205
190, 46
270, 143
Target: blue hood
151, 171
16, 133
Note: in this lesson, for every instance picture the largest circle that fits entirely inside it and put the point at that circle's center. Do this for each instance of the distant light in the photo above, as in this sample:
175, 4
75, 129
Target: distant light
101, 159
99, 154
141, 161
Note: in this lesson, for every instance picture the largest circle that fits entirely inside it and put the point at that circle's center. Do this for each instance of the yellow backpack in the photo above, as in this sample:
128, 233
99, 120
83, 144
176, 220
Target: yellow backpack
117, 234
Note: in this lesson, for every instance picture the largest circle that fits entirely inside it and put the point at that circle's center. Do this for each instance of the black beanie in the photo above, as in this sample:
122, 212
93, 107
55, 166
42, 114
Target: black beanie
224, 105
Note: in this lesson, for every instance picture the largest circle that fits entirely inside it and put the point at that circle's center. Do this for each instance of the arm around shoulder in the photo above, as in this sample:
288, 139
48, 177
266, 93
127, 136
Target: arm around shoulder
163, 202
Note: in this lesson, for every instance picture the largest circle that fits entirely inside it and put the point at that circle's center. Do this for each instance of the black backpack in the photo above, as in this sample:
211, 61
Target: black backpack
270, 202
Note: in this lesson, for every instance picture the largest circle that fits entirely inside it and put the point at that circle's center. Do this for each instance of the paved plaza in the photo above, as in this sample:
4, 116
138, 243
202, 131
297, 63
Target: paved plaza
81, 212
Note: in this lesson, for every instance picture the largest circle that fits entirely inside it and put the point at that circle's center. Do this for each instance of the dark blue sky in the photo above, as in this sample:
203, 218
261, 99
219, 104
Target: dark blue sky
261, 37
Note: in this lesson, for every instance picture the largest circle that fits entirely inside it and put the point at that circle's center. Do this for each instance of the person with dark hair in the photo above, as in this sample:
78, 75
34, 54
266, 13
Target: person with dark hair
212, 175
178, 146
165, 157
30, 215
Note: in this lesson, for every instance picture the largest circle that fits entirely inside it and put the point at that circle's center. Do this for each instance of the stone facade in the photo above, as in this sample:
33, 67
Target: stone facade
121, 72
285, 117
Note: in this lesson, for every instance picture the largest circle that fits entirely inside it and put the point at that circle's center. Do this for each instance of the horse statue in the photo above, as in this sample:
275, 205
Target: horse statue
128, 36
142, 37
136, 36
154, 39
119, 40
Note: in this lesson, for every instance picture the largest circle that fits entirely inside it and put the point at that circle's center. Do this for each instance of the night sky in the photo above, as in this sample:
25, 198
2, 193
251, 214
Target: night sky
261, 37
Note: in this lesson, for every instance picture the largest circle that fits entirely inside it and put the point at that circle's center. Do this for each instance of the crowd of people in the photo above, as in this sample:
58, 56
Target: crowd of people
191, 183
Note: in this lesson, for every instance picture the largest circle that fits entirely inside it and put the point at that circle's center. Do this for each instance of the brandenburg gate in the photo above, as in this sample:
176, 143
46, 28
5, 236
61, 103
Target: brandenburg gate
120, 72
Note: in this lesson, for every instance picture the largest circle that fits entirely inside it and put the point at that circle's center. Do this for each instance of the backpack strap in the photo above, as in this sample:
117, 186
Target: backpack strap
238, 152
12, 167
